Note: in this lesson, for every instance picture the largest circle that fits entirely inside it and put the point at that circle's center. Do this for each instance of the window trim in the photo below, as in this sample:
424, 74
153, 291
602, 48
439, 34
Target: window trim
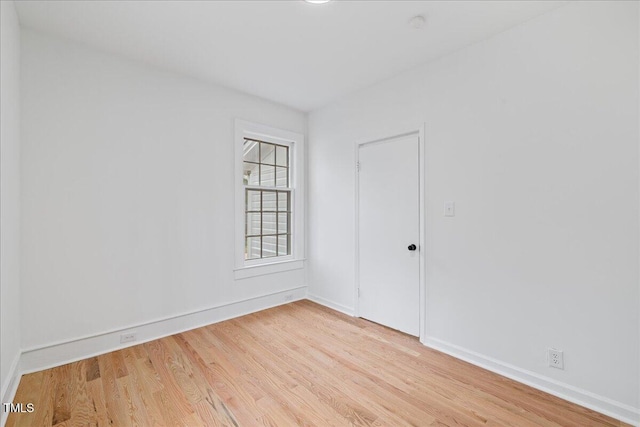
295, 142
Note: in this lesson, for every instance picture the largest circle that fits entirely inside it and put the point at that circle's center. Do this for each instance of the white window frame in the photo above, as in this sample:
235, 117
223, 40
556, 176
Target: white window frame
295, 142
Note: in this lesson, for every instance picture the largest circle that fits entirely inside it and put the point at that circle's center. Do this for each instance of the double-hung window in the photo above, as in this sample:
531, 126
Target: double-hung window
269, 199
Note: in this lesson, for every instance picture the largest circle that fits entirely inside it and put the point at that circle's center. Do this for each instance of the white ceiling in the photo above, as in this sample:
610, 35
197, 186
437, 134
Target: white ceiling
298, 54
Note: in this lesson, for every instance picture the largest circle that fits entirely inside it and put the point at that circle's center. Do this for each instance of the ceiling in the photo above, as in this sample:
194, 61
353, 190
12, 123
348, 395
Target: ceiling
292, 52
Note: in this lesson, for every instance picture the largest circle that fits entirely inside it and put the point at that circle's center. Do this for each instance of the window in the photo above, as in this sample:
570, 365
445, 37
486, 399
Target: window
269, 199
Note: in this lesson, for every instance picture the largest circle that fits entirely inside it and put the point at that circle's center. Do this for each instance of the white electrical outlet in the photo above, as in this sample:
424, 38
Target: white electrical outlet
127, 337
556, 358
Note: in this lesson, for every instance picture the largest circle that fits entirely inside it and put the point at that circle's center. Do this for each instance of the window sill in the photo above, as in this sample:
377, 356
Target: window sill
270, 268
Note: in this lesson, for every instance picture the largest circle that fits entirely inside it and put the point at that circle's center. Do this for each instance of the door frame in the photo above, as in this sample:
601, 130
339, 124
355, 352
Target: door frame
378, 137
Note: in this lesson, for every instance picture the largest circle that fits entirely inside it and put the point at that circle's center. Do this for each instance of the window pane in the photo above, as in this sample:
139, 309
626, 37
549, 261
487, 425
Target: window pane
281, 177
251, 175
269, 201
267, 175
252, 248
250, 151
268, 211
267, 153
282, 156
283, 201
253, 224
269, 246
253, 200
283, 223
268, 223
283, 245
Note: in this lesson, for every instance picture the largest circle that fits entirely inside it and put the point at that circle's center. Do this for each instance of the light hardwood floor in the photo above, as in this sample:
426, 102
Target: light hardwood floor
297, 364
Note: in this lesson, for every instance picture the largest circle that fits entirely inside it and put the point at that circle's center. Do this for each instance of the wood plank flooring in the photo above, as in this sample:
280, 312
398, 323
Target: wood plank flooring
299, 364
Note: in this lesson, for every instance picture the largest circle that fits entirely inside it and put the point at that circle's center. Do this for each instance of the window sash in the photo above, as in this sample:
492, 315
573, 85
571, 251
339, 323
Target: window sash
260, 241
277, 236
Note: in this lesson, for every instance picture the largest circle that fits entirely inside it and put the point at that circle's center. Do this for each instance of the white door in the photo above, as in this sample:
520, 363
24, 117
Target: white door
388, 226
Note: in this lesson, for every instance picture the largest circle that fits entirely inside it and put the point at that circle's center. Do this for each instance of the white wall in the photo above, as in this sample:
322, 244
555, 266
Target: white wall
9, 196
127, 183
534, 134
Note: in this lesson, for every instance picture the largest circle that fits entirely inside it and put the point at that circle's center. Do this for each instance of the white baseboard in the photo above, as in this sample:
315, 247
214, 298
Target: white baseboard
564, 391
10, 387
36, 359
332, 305
56, 354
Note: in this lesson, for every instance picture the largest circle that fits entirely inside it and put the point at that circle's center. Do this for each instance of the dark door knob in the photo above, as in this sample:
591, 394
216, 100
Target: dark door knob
412, 247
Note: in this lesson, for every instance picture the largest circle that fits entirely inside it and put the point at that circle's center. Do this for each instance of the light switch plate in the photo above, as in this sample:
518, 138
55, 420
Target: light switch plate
449, 209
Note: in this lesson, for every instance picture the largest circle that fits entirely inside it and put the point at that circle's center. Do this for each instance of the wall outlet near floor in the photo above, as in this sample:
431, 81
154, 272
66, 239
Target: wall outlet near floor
130, 337
288, 297
556, 358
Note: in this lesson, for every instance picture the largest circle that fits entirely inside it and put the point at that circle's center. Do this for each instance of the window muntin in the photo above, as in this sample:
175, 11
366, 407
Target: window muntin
268, 213
265, 164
